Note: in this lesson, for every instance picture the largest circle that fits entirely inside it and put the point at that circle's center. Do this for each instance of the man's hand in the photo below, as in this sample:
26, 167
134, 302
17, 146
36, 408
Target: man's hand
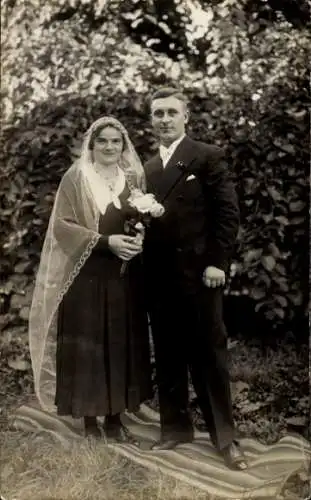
124, 247
213, 277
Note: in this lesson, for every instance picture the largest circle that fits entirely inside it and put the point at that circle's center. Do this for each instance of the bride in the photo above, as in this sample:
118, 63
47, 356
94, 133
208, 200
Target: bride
88, 329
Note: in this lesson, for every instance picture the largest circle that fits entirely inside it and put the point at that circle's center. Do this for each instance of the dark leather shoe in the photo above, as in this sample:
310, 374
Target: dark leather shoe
168, 444
121, 434
92, 432
234, 457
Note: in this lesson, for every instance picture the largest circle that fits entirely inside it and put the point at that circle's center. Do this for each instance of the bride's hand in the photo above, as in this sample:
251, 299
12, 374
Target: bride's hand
124, 247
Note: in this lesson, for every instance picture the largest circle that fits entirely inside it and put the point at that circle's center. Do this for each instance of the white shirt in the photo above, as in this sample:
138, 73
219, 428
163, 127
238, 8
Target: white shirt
167, 153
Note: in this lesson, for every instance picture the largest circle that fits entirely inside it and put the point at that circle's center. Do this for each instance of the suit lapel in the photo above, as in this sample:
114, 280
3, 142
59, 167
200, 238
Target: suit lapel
185, 153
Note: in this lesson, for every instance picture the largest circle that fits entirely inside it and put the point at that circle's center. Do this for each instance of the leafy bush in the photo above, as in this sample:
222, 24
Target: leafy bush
246, 77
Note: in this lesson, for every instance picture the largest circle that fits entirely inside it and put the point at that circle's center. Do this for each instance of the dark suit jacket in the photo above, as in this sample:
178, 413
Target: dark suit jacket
202, 214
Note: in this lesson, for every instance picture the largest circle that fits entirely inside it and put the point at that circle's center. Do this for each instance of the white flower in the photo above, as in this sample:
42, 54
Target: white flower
156, 210
140, 235
146, 203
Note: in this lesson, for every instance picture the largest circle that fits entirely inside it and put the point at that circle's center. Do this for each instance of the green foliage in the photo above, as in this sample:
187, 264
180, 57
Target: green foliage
245, 72
269, 158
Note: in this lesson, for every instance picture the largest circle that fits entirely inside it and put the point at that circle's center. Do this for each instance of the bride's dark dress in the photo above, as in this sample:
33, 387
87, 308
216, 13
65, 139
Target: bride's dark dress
103, 360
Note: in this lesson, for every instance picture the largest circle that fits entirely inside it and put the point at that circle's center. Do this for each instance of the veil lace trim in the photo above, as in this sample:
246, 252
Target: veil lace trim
77, 268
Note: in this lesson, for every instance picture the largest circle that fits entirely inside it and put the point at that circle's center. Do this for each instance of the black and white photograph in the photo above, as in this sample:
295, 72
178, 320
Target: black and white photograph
155, 250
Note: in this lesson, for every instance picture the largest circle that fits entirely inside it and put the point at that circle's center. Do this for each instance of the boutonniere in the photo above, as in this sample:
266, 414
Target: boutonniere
182, 167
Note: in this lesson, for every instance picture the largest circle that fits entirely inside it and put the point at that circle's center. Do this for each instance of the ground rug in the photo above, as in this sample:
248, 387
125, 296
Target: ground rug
196, 463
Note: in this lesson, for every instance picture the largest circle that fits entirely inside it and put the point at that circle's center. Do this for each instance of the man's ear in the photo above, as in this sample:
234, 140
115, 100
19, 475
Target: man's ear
187, 116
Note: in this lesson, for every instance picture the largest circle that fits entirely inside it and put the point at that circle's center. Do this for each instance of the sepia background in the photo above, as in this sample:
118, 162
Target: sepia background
245, 66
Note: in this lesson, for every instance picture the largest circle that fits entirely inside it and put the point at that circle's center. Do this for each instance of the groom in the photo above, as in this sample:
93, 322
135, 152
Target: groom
187, 254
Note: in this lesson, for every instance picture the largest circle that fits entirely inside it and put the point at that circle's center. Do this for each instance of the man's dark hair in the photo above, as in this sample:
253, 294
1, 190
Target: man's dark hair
164, 92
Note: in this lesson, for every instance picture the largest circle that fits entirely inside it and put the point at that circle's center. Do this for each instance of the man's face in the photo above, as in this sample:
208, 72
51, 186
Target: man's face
168, 117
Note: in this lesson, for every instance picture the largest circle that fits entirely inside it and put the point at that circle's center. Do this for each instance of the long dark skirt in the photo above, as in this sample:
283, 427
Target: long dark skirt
103, 359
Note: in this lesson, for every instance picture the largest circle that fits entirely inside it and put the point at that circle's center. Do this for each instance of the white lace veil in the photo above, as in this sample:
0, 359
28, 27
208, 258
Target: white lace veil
71, 235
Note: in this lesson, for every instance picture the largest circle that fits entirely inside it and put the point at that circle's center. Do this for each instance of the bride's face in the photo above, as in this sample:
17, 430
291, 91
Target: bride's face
108, 146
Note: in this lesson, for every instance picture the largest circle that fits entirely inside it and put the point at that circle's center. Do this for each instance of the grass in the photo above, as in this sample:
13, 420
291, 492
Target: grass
38, 468
278, 375
251, 363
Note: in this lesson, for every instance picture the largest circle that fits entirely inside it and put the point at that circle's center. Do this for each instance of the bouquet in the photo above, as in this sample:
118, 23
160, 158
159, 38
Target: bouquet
143, 207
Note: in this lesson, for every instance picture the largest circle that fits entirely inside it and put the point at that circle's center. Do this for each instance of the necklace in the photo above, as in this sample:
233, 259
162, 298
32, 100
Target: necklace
109, 176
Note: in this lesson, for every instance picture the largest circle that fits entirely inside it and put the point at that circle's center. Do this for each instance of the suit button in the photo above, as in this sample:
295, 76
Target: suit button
178, 249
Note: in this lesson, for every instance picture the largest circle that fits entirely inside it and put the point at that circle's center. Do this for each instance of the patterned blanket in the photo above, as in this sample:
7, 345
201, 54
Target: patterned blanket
198, 463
